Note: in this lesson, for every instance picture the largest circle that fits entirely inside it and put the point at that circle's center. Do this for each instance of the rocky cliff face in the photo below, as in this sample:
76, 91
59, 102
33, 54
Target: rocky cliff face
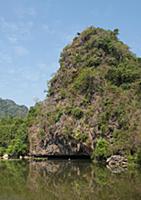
93, 103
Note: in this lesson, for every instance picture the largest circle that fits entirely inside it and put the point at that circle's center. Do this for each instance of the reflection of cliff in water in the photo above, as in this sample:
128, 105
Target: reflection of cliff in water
61, 180
82, 180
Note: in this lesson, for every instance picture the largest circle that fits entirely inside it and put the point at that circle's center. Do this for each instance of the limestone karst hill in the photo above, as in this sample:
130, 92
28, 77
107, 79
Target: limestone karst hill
93, 106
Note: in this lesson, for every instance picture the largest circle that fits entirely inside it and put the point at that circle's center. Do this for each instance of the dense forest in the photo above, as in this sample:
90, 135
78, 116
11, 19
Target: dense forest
93, 104
13, 128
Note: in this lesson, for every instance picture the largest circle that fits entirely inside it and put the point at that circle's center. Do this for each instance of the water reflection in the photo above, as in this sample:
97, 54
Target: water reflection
64, 180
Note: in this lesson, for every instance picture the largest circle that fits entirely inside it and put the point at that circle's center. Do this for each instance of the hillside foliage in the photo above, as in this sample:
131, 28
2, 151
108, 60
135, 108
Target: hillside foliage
95, 95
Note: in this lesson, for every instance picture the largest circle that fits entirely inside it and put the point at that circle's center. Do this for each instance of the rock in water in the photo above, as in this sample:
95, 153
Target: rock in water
5, 156
117, 160
117, 163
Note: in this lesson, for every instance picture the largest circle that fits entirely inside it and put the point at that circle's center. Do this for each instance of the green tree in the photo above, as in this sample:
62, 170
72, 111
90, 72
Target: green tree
101, 150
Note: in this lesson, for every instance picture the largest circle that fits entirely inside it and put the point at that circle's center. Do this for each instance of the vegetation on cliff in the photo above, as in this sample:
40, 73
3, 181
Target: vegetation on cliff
93, 100
92, 107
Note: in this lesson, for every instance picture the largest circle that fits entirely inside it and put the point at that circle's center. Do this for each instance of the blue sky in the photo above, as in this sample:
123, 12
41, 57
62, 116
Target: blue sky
33, 33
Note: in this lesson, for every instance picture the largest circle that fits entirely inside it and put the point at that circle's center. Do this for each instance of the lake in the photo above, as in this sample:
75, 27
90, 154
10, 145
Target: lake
66, 180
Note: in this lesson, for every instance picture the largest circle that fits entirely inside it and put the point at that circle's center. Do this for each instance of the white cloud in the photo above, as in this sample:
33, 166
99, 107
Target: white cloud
26, 12
27, 74
48, 29
12, 39
16, 32
42, 66
21, 51
11, 71
45, 27
5, 58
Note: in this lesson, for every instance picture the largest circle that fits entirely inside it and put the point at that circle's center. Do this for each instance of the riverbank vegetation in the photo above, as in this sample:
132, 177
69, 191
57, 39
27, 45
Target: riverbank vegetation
13, 137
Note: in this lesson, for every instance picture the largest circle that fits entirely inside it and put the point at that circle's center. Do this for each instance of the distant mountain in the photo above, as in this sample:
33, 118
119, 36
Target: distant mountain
9, 108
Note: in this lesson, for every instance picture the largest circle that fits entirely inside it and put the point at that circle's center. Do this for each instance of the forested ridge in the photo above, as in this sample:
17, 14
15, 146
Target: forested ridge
9, 108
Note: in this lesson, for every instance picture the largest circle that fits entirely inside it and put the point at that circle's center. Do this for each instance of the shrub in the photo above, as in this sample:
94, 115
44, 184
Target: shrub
2, 150
77, 113
88, 82
42, 133
58, 115
81, 136
63, 93
138, 158
101, 150
123, 74
33, 114
17, 148
84, 81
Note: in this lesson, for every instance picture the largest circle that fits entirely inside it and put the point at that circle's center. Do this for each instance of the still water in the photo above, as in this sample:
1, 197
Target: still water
66, 180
